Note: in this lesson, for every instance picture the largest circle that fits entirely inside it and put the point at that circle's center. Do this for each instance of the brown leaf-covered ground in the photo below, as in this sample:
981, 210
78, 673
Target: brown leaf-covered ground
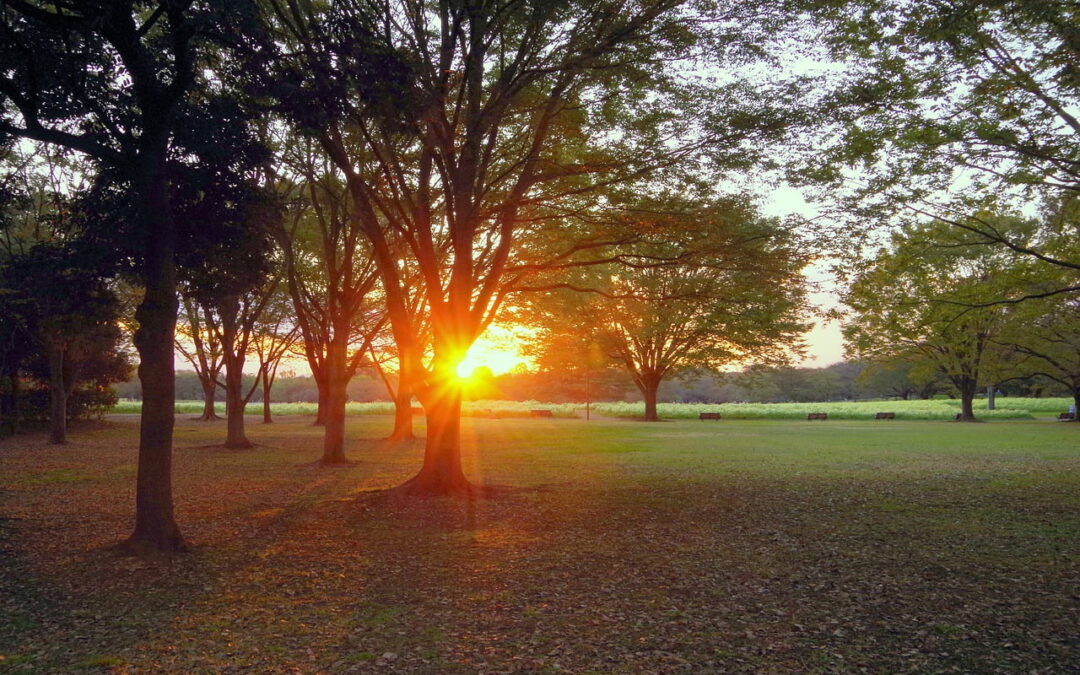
610, 547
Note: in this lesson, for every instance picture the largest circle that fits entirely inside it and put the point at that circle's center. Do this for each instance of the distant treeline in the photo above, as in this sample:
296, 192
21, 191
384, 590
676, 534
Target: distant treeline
843, 381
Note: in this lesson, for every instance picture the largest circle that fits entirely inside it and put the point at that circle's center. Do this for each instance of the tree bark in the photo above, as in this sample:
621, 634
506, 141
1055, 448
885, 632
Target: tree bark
209, 388
267, 385
337, 381
235, 401
403, 416
1076, 405
967, 388
320, 414
650, 386
235, 406
57, 397
441, 474
155, 523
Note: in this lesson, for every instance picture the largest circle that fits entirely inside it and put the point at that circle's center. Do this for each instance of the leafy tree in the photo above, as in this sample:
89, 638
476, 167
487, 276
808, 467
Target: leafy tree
512, 114
1047, 333
902, 378
111, 79
924, 297
955, 109
275, 334
333, 282
729, 290
197, 343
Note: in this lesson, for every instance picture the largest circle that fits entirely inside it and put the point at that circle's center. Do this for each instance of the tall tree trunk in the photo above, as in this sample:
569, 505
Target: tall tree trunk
403, 414
337, 382
235, 407
1076, 404
441, 474
155, 523
209, 387
57, 397
967, 388
320, 414
267, 385
649, 386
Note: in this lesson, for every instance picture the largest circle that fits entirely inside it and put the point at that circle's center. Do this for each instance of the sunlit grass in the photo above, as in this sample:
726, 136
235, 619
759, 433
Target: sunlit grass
939, 409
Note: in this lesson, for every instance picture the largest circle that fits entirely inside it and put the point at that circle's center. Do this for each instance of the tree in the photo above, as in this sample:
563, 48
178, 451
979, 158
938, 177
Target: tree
729, 289
333, 282
955, 109
902, 377
197, 343
274, 336
924, 297
109, 79
1047, 333
72, 314
511, 115
229, 273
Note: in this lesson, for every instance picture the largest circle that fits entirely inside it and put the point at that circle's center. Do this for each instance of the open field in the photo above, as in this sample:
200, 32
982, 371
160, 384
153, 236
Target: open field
743, 546
938, 409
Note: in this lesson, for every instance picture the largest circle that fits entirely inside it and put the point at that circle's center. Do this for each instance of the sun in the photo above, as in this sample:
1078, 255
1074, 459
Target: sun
497, 349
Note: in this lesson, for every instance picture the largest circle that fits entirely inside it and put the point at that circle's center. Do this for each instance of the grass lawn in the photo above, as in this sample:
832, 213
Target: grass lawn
735, 546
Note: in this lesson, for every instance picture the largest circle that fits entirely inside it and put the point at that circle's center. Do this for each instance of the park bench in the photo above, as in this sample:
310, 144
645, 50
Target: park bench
540, 413
817, 416
1067, 416
709, 416
885, 416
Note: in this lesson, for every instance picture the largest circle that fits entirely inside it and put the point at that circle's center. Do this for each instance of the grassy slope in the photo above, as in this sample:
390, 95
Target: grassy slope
623, 547
1007, 408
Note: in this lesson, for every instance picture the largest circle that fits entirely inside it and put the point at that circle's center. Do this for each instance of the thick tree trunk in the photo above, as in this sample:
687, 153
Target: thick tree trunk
1076, 405
649, 392
209, 387
441, 474
403, 416
57, 397
155, 524
967, 397
234, 410
337, 381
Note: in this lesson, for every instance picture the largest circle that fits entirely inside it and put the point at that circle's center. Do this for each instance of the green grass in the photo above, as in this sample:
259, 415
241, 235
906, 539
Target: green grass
938, 409
612, 546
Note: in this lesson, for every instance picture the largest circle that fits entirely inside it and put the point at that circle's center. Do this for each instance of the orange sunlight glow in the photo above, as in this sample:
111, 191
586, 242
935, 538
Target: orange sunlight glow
497, 349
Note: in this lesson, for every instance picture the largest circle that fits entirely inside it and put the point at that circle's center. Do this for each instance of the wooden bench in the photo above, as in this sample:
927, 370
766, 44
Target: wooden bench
540, 413
709, 416
1067, 416
817, 416
885, 416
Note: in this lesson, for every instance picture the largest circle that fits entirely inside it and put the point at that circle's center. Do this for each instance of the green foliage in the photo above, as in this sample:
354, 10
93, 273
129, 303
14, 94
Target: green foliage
948, 108
928, 299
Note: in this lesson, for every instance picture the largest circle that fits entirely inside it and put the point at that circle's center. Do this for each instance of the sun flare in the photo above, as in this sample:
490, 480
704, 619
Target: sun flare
498, 350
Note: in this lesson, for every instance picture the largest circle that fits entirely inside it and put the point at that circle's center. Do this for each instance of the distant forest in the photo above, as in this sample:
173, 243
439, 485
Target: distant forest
844, 381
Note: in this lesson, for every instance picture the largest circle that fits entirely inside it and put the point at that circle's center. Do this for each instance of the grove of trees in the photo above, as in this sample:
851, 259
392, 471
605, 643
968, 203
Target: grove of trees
369, 185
